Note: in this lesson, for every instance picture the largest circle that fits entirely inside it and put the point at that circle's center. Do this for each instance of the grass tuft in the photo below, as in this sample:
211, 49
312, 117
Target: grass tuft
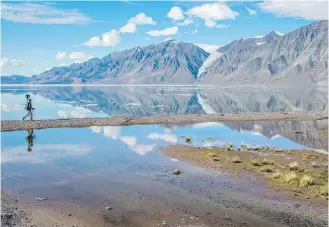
293, 165
306, 181
256, 163
211, 155
267, 161
236, 159
290, 177
276, 175
324, 190
267, 169
216, 159
315, 165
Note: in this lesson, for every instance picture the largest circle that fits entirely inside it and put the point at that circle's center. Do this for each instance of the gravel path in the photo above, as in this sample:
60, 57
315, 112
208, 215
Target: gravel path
15, 125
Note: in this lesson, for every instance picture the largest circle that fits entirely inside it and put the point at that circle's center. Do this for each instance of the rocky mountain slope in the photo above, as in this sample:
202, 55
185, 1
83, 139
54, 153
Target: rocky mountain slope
171, 61
297, 58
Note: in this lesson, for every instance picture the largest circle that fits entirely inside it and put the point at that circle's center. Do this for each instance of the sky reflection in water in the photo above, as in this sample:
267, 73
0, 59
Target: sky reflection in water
59, 154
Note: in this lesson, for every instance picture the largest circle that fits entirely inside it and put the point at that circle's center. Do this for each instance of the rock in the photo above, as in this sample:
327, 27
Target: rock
298, 132
176, 172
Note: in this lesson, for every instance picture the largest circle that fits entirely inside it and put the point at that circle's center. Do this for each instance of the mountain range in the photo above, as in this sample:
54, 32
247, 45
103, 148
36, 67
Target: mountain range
294, 59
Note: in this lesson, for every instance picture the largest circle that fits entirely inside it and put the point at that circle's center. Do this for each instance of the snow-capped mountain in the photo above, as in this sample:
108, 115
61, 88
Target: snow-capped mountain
296, 58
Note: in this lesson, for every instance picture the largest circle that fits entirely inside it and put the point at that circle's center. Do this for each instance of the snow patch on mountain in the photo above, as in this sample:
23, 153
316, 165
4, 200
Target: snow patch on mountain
205, 106
260, 43
206, 47
213, 56
279, 33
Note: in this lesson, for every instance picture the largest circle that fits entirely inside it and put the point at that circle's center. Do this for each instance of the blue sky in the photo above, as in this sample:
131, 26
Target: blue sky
41, 35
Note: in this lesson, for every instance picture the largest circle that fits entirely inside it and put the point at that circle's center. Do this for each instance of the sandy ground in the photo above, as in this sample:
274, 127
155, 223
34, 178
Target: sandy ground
14, 125
44, 215
14, 213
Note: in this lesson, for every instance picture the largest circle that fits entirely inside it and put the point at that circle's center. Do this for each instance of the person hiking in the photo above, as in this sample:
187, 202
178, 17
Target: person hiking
29, 108
29, 140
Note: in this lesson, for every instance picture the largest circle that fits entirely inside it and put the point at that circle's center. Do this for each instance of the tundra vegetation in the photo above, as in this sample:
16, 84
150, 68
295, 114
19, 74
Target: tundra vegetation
300, 173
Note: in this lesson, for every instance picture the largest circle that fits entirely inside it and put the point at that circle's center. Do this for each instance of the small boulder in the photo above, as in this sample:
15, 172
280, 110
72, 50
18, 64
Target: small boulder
176, 172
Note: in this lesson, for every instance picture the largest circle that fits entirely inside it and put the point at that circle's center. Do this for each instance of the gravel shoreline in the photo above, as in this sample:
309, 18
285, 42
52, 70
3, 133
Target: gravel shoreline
15, 125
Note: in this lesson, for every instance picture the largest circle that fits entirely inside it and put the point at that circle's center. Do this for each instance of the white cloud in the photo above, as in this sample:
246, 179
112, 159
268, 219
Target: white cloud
309, 10
188, 21
129, 140
166, 137
42, 14
96, 129
176, 13
61, 55
112, 132
212, 24
78, 112
10, 107
142, 149
207, 124
140, 19
164, 32
111, 38
128, 28
6, 62
94, 41
211, 13
77, 56
251, 11
43, 152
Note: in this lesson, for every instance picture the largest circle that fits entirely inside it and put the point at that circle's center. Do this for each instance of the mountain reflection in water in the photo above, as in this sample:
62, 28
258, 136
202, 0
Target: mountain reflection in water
77, 102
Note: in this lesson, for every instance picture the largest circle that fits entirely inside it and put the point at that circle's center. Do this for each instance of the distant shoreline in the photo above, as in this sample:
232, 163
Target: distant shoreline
17, 125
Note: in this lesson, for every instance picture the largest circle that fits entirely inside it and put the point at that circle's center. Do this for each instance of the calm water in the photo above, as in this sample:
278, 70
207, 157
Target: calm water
124, 166
60, 155
76, 102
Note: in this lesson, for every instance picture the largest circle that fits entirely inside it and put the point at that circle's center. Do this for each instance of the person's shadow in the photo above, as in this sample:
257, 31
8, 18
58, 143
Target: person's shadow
29, 140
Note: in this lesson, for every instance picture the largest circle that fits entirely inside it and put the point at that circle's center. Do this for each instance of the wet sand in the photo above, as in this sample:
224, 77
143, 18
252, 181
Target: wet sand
14, 125
220, 200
